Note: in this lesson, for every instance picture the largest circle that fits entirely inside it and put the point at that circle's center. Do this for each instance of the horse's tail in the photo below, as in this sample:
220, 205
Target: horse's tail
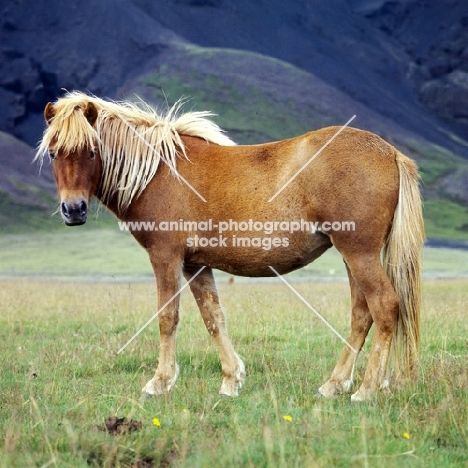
402, 261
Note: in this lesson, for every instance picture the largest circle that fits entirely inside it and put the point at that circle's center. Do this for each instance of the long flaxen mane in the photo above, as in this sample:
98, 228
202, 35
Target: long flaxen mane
132, 140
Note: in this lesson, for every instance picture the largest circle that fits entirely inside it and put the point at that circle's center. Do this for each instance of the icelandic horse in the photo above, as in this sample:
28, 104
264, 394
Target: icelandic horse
147, 167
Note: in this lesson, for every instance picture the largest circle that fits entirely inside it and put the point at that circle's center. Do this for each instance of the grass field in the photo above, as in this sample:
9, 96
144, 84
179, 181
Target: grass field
61, 376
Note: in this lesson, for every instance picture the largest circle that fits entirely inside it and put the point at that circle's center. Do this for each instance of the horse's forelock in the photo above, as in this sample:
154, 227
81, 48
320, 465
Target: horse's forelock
69, 130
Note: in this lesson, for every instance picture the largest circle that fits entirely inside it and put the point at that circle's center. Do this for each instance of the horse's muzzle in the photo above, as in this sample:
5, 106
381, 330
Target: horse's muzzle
74, 214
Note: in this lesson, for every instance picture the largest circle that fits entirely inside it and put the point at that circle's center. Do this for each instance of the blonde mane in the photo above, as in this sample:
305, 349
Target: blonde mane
132, 140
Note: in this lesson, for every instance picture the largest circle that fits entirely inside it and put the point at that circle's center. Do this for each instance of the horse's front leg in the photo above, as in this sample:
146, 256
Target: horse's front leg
204, 290
168, 277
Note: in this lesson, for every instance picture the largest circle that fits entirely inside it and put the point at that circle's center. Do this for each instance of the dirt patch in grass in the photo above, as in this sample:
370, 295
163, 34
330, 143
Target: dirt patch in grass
118, 426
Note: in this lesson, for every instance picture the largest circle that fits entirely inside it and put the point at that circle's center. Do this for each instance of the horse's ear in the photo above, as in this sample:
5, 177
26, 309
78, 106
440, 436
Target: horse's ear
91, 113
49, 112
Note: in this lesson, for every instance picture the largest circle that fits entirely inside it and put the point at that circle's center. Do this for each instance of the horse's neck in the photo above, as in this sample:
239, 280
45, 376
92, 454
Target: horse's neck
110, 204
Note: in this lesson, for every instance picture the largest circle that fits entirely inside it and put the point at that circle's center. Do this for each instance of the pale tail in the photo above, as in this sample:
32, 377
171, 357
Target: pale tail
402, 257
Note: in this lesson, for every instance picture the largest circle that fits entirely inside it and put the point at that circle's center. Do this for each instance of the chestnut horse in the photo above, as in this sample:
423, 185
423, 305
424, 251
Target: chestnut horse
180, 169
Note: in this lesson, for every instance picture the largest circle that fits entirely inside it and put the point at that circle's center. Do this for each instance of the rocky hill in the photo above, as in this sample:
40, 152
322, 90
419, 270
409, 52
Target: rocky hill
270, 69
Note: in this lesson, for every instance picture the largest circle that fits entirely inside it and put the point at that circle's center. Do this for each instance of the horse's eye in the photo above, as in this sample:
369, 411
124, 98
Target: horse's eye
92, 154
52, 155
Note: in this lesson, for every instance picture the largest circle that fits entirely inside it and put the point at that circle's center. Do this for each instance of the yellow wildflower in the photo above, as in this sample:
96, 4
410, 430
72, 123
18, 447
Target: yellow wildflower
406, 435
288, 418
156, 422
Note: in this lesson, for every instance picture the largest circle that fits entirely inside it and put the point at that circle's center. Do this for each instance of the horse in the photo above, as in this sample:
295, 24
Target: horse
178, 175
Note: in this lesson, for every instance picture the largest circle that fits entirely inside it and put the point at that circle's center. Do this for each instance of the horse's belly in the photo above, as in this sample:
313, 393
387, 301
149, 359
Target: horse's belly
254, 256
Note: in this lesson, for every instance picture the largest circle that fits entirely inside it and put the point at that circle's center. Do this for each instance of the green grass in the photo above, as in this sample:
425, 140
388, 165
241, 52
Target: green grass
61, 376
73, 252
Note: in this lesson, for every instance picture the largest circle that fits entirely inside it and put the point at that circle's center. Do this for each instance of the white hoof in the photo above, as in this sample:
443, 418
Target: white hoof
232, 384
360, 396
333, 388
157, 386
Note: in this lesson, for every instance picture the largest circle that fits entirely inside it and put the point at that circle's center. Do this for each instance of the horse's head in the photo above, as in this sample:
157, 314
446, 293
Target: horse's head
73, 150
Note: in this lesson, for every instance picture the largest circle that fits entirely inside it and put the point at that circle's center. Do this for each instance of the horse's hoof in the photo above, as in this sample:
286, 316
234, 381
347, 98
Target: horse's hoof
330, 389
229, 389
158, 386
359, 397
232, 384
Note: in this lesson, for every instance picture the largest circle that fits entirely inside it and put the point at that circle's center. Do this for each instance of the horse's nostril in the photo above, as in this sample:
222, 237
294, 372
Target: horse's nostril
65, 209
83, 207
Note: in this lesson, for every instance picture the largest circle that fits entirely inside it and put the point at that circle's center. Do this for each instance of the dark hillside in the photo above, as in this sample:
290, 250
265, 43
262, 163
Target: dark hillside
86, 44
435, 36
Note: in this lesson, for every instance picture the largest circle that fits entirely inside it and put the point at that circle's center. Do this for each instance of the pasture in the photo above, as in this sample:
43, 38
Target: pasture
61, 376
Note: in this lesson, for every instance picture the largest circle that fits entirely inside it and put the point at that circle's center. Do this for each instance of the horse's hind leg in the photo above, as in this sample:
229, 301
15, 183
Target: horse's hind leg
361, 321
383, 304
204, 290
